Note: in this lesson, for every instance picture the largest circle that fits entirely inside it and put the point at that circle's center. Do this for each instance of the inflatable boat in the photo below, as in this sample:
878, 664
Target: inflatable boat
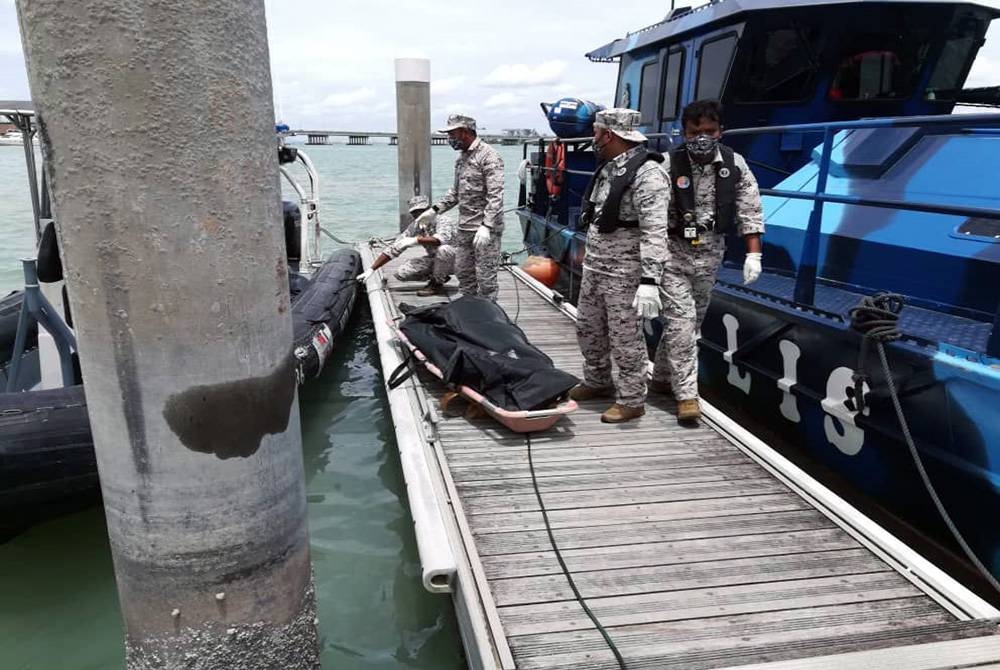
47, 460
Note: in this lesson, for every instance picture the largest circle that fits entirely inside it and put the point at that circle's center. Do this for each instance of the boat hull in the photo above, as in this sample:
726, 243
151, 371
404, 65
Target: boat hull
791, 377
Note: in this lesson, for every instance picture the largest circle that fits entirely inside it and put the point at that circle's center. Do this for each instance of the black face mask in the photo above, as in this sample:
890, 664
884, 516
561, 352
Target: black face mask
702, 148
599, 148
456, 144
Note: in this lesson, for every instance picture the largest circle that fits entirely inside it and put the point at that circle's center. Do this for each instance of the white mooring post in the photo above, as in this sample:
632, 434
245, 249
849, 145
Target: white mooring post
159, 126
413, 128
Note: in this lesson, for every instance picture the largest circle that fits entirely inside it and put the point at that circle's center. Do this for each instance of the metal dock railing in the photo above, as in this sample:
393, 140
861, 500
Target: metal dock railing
693, 547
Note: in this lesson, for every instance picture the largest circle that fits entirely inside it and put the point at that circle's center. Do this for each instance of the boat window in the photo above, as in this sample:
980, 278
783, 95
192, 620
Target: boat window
672, 76
956, 58
648, 91
713, 69
780, 66
880, 67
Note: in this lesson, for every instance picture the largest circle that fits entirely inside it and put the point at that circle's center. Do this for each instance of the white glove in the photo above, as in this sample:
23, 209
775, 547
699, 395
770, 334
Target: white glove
751, 267
647, 301
407, 242
363, 277
425, 220
482, 238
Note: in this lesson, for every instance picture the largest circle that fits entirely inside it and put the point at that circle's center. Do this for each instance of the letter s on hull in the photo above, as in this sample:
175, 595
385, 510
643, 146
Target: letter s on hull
839, 424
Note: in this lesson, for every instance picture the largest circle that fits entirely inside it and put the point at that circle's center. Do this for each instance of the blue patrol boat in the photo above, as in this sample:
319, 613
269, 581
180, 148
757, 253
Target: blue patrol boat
844, 110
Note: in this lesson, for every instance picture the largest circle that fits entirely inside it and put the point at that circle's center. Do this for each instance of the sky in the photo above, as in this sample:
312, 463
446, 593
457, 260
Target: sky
332, 62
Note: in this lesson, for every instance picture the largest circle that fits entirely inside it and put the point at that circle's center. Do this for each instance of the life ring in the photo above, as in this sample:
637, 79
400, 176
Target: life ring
555, 168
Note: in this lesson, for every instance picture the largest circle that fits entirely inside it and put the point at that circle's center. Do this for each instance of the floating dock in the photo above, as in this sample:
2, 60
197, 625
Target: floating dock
694, 548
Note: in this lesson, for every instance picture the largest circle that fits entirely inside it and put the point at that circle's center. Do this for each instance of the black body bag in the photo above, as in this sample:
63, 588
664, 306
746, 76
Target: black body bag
474, 343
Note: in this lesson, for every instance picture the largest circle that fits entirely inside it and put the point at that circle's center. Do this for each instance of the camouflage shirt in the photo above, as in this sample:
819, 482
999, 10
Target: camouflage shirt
478, 189
632, 252
749, 212
443, 228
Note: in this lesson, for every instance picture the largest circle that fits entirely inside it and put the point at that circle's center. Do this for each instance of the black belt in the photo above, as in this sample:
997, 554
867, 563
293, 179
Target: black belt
679, 231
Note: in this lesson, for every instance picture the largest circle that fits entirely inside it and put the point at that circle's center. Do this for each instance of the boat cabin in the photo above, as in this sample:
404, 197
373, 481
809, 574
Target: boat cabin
782, 62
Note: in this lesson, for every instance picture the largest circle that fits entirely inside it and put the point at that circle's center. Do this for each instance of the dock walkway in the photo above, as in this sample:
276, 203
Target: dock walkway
694, 547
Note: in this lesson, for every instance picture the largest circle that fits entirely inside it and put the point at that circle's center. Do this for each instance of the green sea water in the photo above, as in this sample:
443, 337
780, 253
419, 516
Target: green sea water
58, 604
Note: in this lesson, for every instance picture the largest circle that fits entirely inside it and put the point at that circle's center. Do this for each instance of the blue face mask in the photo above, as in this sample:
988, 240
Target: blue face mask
455, 143
702, 148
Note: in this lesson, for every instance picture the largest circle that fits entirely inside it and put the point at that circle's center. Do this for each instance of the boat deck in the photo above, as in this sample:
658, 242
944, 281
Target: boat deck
694, 547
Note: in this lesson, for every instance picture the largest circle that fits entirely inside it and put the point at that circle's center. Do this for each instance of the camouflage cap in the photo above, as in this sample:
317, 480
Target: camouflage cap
418, 202
456, 121
622, 122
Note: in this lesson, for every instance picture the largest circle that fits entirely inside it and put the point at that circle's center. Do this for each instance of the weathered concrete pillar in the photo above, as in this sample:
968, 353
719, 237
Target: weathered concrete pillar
413, 124
159, 129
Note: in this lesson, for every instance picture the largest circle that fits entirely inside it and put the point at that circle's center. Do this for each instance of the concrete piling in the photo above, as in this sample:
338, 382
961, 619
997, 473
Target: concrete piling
413, 125
168, 209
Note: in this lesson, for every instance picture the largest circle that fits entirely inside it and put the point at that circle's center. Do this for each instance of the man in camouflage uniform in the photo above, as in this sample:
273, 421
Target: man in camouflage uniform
625, 209
436, 266
714, 193
478, 192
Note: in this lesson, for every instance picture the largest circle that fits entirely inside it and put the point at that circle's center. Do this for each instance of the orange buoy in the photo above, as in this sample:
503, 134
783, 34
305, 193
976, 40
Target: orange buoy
542, 269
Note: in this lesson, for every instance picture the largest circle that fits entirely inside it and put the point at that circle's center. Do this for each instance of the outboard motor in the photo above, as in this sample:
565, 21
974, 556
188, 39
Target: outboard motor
571, 117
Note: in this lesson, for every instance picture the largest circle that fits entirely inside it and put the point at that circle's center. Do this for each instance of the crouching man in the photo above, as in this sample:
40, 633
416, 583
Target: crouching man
436, 265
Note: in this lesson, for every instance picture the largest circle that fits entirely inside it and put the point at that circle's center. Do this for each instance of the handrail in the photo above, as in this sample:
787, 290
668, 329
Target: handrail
943, 120
805, 281
950, 210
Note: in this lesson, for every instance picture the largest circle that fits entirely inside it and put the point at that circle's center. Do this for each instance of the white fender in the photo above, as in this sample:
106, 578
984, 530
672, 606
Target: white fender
790, 354
740, 380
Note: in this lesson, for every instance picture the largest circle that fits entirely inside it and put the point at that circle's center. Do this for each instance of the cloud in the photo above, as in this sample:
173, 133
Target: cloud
519, 74
985, 72
410, 52
447, 84
506, 99
458, 107
347, 98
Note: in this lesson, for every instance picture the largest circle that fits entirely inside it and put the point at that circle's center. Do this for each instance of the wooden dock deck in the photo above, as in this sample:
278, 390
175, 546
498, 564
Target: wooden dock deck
693, 547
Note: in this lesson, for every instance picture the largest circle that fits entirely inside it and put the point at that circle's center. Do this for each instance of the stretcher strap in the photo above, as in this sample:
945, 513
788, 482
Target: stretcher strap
402, 372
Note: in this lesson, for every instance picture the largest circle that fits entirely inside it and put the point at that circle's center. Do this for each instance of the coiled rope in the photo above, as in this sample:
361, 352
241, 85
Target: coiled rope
876, 318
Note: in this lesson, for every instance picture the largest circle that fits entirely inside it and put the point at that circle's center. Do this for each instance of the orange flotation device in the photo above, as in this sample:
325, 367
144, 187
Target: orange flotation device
542, 269
555, 167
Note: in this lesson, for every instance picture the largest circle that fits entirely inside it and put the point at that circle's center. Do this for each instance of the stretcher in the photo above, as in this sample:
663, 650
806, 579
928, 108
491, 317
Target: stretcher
520, 421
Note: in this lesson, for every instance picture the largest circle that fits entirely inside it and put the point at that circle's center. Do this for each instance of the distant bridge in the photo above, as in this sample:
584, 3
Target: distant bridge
361, 138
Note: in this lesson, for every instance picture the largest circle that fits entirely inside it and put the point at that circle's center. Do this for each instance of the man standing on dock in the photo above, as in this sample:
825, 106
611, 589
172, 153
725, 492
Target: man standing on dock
714, 194
436, 266
478, 192
625, 208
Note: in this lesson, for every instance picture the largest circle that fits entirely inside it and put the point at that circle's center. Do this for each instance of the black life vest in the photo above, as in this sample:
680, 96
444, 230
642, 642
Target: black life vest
727, 176
609, 220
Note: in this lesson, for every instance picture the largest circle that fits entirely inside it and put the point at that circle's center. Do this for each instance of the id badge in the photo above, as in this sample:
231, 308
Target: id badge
690, 233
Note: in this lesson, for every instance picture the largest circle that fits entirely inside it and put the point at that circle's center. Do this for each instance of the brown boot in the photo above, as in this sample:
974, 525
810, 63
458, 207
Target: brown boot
688, 410
656, 386
582, 392
432, 288
620, 413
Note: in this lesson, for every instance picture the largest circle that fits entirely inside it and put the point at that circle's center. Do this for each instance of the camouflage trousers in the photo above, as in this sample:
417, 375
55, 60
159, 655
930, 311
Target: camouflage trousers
477, 268
607, 327
437, 267
685, 289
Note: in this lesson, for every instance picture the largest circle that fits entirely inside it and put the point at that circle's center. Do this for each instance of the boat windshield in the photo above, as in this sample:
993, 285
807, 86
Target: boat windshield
781, 65
960, 47
879, 66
